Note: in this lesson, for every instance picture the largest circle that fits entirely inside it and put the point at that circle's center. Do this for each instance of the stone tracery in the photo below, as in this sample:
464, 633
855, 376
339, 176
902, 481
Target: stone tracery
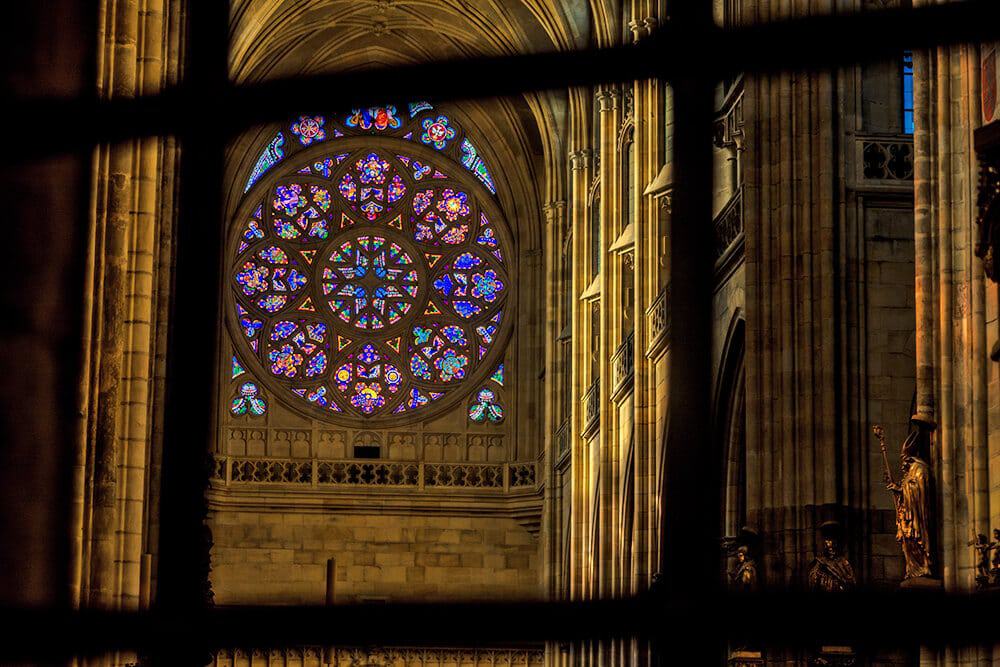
370, 280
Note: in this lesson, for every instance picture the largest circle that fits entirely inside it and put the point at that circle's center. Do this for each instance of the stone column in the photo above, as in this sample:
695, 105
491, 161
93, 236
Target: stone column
794, 345
126, 293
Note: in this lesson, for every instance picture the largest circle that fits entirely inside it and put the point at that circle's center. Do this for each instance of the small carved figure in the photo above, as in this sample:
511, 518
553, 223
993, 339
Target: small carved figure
982, 547
913, 497
745, 575
831, 571
995, 570
742, 547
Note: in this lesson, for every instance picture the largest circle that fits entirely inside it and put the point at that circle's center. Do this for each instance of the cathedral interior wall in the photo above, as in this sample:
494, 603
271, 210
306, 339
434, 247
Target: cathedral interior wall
280, 557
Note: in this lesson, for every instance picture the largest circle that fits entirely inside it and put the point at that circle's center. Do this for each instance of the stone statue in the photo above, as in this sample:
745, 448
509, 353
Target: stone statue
831, 571
914, 499
982, 547
745, 575
995, 570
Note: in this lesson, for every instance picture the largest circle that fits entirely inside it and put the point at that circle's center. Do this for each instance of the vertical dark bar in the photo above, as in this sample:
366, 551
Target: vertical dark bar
182, 587
691, 504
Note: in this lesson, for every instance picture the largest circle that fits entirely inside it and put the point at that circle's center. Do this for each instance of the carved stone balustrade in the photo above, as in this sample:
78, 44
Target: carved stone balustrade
658, 323
623, 367
234, 471
728, 226
562, 439
315, 656
886, 158
592, 408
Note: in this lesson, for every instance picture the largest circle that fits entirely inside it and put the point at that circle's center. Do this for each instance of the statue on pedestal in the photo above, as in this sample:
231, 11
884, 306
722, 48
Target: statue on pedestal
913, 497
831, 571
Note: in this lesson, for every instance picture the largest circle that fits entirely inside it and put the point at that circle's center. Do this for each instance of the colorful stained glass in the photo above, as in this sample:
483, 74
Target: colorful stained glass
237, 368
476, 164
371, 282
298, 348
248, 401
272, 154
437, 132
309, 129
417, 107
378, 118
486, 407
410, 290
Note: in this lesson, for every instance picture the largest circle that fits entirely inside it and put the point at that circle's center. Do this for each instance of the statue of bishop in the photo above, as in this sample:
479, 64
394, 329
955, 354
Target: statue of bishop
914, 500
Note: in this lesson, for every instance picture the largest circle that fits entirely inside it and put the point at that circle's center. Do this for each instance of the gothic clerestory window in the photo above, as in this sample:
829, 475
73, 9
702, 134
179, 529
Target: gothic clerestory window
370, 274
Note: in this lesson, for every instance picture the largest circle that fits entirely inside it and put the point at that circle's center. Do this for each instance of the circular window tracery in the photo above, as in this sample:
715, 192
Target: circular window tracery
370, 284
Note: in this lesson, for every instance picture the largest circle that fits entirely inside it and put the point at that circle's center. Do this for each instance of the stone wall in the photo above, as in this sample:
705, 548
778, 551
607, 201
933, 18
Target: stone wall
279, 557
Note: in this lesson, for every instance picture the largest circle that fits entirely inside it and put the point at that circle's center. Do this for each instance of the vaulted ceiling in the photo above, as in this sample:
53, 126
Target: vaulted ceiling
524, 136
287, 37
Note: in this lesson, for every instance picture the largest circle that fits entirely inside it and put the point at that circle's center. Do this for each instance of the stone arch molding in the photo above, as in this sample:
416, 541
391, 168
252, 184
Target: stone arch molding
371, 270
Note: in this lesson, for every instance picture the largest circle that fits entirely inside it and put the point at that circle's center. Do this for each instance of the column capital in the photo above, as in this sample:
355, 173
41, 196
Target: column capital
581, 159
554, 211
607, 100
642, 28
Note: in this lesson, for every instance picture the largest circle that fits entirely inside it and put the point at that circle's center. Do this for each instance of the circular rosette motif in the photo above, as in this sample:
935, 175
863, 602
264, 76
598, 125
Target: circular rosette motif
301, 212
367, 379
372, 187
270, 277
297, 348
441, 216
440, 352
470, 285
370, 282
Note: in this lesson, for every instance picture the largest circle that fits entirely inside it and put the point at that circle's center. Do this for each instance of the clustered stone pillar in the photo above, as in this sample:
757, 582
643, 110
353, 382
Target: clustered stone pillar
126, 286
954, 375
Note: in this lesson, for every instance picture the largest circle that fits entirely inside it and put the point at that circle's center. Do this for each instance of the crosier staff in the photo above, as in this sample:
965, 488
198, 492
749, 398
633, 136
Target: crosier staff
890, 482
886, 472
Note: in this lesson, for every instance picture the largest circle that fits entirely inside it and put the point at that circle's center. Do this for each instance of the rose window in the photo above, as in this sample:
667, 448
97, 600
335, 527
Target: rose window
367, 282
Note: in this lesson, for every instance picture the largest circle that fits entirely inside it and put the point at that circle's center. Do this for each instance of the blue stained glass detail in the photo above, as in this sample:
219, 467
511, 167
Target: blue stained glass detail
476, 164
908, 92
272, 155
417, 107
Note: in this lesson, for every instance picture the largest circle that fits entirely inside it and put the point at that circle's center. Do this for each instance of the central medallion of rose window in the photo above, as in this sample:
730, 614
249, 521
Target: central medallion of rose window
371, 282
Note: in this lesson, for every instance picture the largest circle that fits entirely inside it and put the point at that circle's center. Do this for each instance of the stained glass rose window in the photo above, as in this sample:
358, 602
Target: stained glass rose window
370, 280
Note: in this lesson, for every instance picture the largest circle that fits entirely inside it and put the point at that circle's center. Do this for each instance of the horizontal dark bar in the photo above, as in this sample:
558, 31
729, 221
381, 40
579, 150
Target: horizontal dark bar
793, 44
887, 620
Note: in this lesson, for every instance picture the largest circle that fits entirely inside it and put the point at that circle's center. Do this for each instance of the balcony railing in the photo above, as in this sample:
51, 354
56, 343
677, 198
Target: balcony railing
885, 158
592, 407
315, 656
235, 471
623, 367
658, 323
562, 439
729, 226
